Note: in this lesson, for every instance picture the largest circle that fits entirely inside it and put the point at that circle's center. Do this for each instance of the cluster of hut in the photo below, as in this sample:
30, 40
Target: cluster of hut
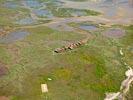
5, 30
69, 47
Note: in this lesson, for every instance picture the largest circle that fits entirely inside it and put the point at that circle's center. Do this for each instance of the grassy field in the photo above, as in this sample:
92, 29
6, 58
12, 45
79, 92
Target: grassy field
68, 12
85, 73
88, 71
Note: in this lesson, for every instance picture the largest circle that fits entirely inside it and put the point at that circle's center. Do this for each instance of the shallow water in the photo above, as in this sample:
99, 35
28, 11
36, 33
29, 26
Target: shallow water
58, 3
109, 8
11, 5
43, 13
14, 36
26, 21
78, 13
88, 27
33, 3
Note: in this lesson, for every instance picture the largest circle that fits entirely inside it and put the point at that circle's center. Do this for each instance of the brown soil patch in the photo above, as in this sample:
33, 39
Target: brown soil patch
5, 30
3, 70
4, 98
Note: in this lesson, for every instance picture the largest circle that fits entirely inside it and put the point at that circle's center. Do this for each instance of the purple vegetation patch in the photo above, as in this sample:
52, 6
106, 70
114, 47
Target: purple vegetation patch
114, 33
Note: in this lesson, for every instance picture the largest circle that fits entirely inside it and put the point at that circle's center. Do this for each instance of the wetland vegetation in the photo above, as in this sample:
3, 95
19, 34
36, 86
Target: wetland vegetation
31, 30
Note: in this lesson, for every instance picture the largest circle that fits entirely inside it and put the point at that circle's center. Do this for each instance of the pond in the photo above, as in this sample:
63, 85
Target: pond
88, 27
14, 36
33, 3
109, 8
114, 33
43, 13
11, 5
25, 21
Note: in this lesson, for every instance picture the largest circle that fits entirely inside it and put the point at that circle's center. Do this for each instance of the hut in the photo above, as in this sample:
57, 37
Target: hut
44, 88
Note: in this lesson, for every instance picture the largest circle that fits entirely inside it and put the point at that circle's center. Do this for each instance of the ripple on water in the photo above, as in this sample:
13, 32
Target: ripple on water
14, 36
